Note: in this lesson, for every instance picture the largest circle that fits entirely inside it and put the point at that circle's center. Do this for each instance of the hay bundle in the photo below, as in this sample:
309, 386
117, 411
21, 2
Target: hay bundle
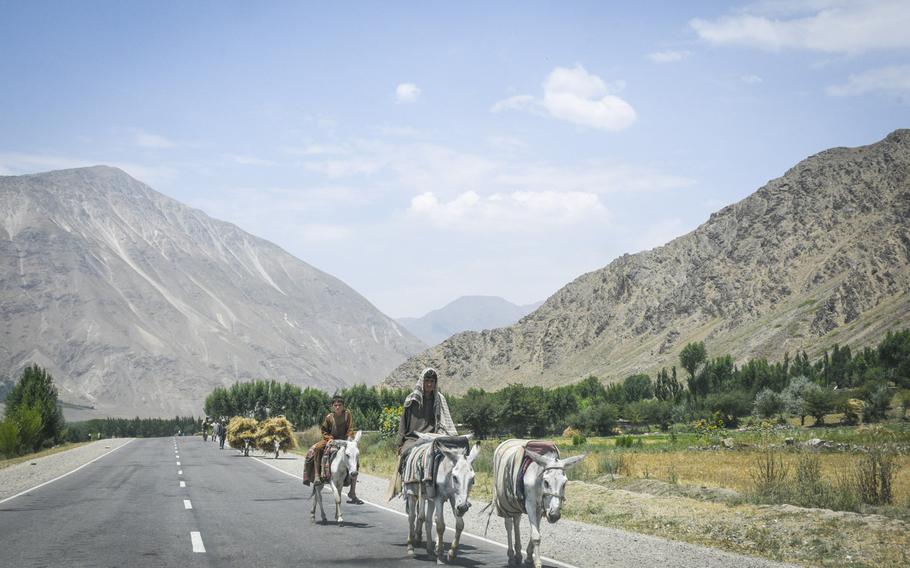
275, 429
241, 433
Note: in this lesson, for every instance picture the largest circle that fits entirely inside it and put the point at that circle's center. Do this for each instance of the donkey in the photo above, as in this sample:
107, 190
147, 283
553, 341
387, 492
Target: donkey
343, 464
544, 492
451, 483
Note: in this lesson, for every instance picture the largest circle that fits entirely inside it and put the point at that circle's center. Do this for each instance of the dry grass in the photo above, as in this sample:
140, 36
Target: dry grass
732, 469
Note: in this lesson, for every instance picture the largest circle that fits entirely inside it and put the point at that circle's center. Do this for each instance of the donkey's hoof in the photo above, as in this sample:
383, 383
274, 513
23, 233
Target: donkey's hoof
410, 550
451, 554
440, 561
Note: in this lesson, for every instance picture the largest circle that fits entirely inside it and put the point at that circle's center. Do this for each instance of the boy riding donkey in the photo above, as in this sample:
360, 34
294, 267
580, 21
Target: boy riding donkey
338, 424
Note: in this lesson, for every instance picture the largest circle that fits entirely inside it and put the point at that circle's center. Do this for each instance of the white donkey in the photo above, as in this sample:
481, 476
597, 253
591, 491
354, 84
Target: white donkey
544, 493
452, 483
344, 463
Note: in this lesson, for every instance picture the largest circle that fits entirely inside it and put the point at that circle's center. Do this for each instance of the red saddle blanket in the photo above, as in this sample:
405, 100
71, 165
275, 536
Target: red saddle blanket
541, 447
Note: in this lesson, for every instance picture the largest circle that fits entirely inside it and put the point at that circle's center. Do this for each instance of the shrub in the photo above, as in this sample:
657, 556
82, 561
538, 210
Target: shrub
9, 437
874, 475
388, 424
579, 439
769, 475
624, 441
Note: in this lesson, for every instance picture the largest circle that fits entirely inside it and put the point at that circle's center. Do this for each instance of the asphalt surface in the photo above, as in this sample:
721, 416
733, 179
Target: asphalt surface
129, 509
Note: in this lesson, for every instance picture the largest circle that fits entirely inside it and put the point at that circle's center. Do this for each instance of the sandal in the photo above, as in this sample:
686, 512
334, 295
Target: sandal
355, 500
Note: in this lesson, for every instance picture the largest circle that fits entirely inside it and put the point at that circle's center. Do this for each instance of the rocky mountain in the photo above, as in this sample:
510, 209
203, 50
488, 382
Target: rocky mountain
140, 305
816, 257
467, 313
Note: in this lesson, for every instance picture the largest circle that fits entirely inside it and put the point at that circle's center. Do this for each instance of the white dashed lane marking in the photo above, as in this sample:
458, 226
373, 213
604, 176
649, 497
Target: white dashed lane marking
187, 504
179, 472
183, 484
196, 539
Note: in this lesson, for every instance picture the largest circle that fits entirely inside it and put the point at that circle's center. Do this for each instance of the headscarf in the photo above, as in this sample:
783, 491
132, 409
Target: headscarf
444, 422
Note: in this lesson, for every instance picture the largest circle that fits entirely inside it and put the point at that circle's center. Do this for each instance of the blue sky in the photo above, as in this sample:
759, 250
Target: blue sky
421, 151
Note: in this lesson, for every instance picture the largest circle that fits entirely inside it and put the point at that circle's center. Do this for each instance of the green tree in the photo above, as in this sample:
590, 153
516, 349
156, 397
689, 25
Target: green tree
476, 411
637, 387
691, 358
667, 387
818, 403
28, 419
768, 404
9, 437
794, 397
36, 390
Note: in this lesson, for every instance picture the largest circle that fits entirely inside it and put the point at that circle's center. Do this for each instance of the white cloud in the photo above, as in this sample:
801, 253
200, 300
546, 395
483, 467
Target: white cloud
831, 26
407, 93
668, 56
894, 79
751, 79
518, 102
149, 140
576, 96
516, 211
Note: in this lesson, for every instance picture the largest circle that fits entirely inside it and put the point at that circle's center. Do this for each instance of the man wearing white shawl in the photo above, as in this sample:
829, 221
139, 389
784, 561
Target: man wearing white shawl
426, 411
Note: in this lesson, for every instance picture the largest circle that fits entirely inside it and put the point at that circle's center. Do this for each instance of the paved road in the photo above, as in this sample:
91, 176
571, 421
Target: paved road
130, 509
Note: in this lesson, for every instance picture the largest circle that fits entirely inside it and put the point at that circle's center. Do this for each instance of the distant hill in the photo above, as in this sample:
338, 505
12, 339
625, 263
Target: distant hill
140, 305
816, 257
467, 313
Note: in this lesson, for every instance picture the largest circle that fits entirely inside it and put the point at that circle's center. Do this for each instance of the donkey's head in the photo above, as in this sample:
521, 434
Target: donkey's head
352, 453
553, 482
462, 476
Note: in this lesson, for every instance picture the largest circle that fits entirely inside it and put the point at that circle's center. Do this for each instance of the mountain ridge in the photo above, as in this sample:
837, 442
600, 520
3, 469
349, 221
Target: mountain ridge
818, 255
474, 313
141, 305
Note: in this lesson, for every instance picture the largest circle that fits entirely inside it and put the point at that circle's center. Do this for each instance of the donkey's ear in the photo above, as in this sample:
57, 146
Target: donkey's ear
468, 436
569, 462
537, 457
357, 436
452, 454
424, 437
475, 451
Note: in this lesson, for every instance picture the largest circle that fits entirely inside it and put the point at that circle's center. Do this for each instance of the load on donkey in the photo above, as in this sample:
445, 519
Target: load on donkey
528, 478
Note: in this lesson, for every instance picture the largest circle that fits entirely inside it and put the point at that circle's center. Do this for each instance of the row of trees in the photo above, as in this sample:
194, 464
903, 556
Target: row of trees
33, 418
858, 386
303, 407
131, 428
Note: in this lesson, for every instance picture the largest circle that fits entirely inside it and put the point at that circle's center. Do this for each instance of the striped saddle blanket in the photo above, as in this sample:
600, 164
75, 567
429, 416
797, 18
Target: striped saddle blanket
325, 469
509, 466
421, 462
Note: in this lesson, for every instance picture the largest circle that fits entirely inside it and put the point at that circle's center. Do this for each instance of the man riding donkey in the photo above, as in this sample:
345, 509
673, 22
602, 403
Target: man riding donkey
426, 411
338, 424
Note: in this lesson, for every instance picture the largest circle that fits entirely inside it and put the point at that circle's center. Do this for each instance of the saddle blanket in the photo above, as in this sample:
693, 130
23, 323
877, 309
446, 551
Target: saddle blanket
509, 467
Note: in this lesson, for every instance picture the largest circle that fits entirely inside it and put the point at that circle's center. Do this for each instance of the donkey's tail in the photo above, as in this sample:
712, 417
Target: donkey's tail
489, 514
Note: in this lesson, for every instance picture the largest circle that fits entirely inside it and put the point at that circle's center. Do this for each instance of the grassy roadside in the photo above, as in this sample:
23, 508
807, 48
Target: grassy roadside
50, 451
680, 488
